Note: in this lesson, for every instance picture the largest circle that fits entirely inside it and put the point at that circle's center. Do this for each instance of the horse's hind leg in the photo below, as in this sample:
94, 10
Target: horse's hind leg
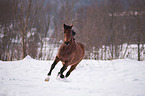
71, 69
53, 65
62, 70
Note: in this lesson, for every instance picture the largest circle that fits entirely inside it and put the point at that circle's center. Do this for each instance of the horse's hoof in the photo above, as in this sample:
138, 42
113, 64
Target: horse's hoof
61, 76
47, 79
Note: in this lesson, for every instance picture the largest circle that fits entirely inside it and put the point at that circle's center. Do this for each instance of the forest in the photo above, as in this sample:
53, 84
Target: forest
28, 26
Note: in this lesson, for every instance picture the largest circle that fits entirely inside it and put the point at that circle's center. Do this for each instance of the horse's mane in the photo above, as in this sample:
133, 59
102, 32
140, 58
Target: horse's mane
73, 33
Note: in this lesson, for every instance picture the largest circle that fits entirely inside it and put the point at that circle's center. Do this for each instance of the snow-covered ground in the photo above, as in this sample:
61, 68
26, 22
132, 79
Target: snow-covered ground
121, 77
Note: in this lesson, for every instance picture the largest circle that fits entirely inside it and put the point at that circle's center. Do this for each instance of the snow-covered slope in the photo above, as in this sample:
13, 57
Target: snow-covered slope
91, 78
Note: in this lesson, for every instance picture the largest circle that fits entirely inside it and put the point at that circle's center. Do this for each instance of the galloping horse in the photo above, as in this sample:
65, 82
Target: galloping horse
70, 53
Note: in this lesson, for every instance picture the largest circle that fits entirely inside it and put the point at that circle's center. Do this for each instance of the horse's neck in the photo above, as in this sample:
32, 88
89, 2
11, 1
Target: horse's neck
72, 42
72, 45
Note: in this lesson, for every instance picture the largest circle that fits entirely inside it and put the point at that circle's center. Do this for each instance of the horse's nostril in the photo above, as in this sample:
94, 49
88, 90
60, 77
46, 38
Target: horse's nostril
66, 43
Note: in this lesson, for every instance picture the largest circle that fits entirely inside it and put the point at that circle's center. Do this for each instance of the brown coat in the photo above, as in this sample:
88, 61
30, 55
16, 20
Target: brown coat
71, 54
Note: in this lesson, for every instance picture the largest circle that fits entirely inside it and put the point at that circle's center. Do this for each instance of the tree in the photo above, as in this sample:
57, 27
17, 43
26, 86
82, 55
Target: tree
66, 14
43, 27
115, 7
6, 32
138, 10
27, 15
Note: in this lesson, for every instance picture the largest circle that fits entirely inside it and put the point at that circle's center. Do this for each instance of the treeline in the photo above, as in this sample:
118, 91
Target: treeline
25, 25
111, 23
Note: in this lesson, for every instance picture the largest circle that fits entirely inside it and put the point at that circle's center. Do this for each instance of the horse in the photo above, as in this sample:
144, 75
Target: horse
70, 53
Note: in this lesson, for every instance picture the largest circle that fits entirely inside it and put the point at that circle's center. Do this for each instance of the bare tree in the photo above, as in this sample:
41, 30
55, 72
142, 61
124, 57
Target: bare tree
27, 13
44, 25
138, 12
115, 7
65, 14
6, 32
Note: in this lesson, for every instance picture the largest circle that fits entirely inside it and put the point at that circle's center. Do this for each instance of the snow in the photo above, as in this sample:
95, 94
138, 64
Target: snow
121, 77
125, 50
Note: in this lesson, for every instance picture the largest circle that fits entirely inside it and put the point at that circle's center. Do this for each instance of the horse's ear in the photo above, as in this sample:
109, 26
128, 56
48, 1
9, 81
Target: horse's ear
71, 26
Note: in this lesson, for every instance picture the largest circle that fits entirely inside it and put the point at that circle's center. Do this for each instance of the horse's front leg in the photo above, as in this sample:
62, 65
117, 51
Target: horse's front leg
52, 67
62, 70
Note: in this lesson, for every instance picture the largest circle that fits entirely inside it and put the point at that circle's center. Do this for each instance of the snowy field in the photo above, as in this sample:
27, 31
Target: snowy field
121, 77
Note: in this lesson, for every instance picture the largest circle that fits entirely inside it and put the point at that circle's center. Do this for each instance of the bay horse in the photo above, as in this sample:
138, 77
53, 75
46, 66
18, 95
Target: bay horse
70, 53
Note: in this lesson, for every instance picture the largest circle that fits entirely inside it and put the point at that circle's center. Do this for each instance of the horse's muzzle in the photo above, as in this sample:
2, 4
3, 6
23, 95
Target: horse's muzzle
67, 43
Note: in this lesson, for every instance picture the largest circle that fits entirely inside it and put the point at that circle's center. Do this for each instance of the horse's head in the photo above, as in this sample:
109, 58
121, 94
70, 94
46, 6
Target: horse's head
68, 34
